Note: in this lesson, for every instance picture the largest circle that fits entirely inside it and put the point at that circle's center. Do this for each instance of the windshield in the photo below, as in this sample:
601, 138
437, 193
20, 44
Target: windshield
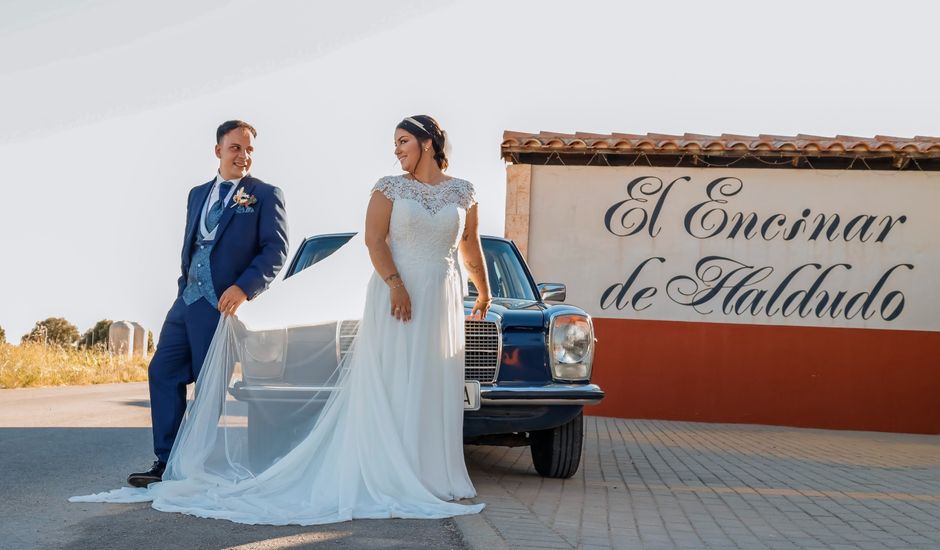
316, 249
508, 278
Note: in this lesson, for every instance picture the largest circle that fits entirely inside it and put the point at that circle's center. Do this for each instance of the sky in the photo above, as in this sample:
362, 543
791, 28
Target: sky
109, 108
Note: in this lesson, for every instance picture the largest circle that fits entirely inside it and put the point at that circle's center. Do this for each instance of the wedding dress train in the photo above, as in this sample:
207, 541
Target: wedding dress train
385, 437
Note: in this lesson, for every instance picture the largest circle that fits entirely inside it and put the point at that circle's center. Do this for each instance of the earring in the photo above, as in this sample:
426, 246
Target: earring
426, 148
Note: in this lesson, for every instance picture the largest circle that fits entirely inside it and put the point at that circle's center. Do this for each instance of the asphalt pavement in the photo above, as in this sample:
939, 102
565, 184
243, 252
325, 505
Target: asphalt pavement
65, 441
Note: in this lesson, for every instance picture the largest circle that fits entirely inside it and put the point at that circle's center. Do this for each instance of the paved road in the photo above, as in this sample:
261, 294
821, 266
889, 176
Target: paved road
654, 484
642, 484
59, 442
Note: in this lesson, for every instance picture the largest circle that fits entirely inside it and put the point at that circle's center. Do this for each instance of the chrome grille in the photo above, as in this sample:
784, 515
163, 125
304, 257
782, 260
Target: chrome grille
345, 334
482, 351
482, 341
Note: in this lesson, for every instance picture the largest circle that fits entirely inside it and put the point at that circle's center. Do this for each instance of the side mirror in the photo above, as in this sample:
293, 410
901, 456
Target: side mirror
553, 292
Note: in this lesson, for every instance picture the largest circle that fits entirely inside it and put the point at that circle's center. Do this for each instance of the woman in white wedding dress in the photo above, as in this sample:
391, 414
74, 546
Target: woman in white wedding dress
389, 440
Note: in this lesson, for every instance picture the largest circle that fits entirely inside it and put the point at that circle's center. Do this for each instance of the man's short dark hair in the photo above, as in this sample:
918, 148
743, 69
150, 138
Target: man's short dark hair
230, 125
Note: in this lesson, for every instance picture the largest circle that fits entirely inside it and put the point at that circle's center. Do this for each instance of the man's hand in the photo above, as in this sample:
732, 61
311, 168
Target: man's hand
231, 299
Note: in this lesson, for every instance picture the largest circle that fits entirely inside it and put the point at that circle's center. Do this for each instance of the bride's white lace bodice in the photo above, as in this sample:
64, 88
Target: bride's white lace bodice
426, 219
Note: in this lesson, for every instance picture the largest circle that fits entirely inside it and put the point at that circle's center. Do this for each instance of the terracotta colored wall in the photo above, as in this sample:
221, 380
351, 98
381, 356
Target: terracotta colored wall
859, 379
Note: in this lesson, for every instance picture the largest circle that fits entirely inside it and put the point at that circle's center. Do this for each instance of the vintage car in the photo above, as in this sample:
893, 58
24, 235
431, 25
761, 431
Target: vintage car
527, 373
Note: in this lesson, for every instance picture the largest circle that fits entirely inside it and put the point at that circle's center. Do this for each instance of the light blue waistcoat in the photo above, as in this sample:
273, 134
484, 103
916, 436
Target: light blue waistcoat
199, 279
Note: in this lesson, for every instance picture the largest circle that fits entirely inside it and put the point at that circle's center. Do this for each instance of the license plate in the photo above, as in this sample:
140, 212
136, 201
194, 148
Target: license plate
471, 395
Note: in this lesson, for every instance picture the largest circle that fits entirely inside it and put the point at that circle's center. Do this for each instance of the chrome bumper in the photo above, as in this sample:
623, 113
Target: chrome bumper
258, 392
548, 394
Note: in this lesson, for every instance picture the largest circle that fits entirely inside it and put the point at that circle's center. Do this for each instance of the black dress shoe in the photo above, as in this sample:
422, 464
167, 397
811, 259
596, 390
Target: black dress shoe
153, 475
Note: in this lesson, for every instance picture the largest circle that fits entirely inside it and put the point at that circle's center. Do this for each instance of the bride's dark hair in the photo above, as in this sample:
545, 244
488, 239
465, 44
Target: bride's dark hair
425, 127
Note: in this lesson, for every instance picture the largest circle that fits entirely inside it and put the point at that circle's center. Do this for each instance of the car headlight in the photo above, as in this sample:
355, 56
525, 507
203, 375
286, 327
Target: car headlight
261, 354
571, 347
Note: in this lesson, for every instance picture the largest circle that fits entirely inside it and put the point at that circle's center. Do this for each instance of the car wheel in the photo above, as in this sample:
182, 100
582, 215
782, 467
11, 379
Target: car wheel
274, 429
261, 428
557, 452
269, 431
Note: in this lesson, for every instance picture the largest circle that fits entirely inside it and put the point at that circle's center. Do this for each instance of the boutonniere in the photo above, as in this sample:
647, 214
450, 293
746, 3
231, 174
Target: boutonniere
243, 199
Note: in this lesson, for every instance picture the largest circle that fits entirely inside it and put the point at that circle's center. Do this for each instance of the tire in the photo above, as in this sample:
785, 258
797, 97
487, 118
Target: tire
260, 441
274, 429
556, 453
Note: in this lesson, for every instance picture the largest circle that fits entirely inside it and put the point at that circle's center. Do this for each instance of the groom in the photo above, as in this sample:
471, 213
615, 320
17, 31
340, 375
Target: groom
234, 245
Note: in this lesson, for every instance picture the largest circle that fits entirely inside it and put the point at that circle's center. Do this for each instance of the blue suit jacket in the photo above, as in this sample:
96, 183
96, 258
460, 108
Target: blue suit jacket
250, 247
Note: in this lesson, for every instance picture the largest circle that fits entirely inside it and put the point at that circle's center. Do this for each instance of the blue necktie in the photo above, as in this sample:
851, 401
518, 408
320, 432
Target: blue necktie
215, 211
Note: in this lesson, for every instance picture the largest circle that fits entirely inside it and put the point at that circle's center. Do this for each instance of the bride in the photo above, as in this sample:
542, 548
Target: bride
383, 436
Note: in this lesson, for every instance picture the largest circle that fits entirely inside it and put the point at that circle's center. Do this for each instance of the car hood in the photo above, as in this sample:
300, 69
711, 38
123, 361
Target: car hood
511, 312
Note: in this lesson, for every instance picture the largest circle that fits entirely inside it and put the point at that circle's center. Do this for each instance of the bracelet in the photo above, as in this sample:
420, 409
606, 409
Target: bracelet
392, 276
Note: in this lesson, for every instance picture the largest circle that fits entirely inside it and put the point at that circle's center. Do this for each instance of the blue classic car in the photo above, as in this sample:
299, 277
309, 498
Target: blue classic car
527, 373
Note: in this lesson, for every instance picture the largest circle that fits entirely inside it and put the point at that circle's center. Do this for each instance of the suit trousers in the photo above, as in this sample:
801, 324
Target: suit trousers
184, 342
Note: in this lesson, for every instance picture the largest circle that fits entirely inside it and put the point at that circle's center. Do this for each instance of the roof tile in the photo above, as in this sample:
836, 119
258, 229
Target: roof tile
730, 143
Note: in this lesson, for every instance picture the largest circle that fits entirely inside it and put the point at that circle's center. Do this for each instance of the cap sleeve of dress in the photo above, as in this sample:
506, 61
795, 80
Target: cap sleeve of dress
388, 186
469, 195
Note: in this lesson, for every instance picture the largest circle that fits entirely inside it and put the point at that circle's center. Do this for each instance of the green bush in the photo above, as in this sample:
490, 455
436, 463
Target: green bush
53, 331
97, 336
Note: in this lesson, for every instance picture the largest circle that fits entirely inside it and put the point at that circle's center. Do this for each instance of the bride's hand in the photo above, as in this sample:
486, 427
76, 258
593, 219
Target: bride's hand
482, 305
401, 303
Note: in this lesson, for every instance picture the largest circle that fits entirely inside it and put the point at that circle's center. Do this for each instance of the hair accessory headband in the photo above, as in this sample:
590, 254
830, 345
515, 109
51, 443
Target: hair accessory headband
418, 124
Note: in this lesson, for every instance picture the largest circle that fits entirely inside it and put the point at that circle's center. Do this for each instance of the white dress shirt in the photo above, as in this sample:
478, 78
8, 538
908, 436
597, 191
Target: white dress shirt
214, 196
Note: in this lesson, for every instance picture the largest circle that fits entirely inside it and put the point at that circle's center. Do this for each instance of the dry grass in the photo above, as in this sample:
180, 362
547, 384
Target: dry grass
29, 365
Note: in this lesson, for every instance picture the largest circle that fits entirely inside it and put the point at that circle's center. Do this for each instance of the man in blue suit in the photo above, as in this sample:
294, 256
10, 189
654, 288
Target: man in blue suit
234, 245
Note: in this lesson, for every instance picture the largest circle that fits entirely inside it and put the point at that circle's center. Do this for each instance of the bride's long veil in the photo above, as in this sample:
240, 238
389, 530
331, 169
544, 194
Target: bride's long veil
313, 406
273, 372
